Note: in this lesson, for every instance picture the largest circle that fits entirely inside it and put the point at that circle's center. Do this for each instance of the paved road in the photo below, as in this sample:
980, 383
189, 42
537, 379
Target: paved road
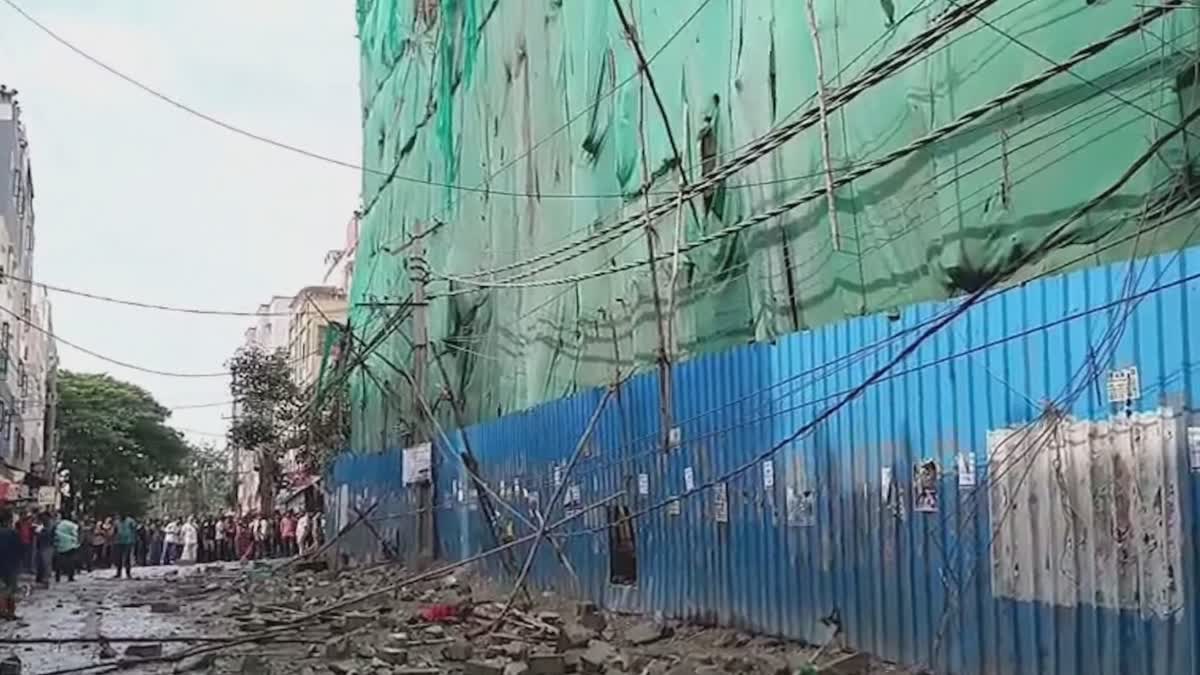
94, 605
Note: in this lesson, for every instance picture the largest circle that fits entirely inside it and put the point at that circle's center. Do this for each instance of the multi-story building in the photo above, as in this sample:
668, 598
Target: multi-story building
27, 354
313, 310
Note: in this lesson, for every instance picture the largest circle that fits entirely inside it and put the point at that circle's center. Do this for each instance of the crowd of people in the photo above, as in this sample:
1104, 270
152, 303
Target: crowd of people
44, 543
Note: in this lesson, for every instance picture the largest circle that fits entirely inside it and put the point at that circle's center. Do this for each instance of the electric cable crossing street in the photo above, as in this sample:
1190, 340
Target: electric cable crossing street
503, 338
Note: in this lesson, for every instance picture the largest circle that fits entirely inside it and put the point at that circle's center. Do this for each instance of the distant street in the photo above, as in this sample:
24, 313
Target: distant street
96, 605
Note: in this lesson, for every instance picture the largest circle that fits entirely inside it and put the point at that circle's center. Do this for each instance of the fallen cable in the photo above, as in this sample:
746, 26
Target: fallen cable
316, 614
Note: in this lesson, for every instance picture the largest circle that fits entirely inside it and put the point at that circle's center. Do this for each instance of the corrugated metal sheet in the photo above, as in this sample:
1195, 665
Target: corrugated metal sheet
906, 512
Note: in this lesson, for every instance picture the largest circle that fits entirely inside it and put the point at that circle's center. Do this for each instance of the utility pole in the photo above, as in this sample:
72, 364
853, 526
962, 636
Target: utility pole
419, 273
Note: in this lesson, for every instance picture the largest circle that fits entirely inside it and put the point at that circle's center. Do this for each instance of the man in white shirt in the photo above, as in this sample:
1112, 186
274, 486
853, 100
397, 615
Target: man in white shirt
170, 543
302, 528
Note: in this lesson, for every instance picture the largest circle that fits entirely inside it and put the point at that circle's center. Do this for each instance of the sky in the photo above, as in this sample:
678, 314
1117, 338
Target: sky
137, 199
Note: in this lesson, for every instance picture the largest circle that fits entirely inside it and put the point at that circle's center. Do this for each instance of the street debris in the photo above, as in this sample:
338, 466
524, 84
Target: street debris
378, 620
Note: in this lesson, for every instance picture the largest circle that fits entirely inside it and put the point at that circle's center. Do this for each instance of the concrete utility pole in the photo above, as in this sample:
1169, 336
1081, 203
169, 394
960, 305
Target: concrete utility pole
418, 273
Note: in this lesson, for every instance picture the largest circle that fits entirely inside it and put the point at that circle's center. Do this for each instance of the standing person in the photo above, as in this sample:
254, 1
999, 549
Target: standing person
125, 536
66, 548
108, 533
11, 558
245, 538
170, 542
142, 549
210, 539
83, 559
219, 538
191, 539
156, 543
99, 560
287, 533
302, 527
44, 541
260, 537
318, 529
24, 529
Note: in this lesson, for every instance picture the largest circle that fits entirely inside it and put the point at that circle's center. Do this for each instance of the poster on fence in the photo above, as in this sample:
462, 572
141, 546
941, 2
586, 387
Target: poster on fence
417, 464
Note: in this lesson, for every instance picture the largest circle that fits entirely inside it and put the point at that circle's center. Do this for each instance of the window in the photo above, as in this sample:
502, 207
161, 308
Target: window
26, 307
20, 445
5, 343
622, 547
22, 378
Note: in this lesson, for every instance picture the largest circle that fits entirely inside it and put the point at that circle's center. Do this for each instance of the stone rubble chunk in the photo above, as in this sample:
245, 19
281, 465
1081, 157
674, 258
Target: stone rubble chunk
646, 633
147, 651
458, 651
546, 664
394, 655
574, 636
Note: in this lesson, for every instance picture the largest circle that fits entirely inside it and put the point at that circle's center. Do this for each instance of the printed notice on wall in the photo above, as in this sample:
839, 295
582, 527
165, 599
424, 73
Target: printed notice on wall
417, 463
885, 484
674, 436
643, 484
768, 469
720, 503
689, 479
1193, 442
673, 507
558, 475
801, 508
966, 469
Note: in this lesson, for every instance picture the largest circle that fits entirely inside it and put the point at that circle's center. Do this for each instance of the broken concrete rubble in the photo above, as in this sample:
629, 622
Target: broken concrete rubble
574, 636
458, 651
146, 651
647, 632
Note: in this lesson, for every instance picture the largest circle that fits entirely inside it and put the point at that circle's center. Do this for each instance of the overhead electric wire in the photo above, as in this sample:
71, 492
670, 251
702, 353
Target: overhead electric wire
876, 42
107, 359
952, 169
942, 132
311, 154
974, 298
1107, 91
943, 26
139, 303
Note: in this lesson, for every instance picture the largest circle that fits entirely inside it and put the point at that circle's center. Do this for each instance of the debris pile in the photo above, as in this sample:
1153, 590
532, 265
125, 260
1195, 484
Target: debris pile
447, 626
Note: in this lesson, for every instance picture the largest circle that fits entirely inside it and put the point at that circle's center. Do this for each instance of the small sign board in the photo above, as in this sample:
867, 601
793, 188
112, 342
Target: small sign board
417, 465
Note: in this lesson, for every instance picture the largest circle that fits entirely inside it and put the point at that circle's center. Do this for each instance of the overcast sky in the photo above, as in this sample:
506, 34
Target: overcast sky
137, 199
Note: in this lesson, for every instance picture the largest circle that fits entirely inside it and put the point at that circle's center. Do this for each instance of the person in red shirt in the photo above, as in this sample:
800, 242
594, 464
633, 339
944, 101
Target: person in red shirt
26, 535
287, 533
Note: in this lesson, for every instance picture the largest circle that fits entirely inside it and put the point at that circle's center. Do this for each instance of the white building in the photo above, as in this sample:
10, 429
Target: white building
28, 358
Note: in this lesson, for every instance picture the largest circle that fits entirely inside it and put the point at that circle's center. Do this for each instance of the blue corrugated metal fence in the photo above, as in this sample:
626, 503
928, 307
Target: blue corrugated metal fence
983, 507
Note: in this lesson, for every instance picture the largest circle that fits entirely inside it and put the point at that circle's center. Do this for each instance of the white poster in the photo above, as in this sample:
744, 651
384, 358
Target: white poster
1193, 444
768, 470
720, 503
966, 469
417, 464
643, 484
689, 479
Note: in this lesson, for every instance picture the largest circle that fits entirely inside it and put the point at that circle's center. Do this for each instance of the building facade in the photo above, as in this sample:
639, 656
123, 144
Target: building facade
29, 353
875, 314
314, 309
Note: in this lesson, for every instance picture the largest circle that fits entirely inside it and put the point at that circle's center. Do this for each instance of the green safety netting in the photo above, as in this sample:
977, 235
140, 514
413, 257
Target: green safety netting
476, 93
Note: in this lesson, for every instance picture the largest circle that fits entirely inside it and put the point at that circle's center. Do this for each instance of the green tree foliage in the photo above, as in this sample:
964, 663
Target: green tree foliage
268, 405
276, 416
114, 443
204, 486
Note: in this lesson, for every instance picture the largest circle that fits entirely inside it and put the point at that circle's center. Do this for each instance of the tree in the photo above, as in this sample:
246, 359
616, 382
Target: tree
204, 485
268, 404
275, 416
114, 444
